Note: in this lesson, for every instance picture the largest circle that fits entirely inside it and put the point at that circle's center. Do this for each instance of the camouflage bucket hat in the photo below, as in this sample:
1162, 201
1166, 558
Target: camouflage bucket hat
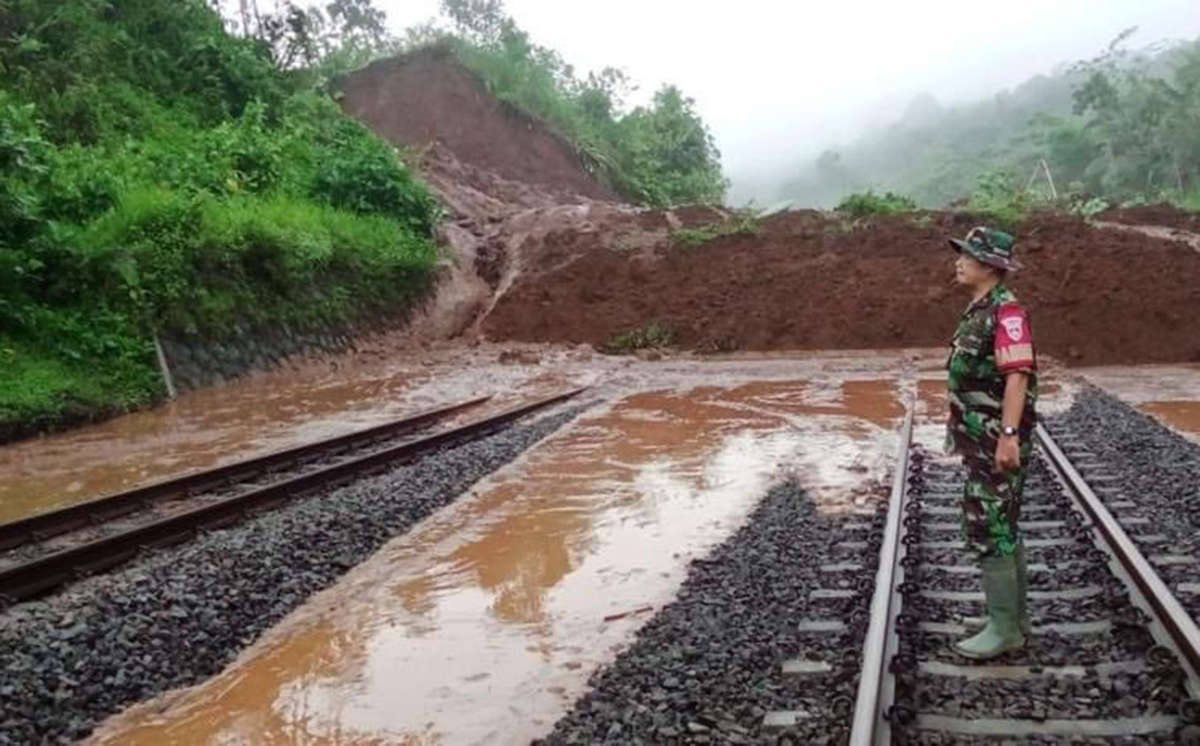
989, 246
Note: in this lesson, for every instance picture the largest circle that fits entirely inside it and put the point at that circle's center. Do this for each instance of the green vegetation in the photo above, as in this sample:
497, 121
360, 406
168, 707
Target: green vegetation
1120, 127
651, 336
657, 155
1191, 200
868, 204
998, 202
741, 223
159, 175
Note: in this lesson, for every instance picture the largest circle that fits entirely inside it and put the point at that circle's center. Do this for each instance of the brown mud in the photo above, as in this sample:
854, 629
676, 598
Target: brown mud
812, 281
269, 411
506, 602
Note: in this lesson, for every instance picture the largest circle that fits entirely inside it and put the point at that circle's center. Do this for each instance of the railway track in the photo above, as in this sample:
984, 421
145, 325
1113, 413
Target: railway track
44, 552
1114, 656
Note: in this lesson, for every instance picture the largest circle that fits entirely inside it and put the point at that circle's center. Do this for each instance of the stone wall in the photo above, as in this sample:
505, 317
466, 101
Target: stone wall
196, 362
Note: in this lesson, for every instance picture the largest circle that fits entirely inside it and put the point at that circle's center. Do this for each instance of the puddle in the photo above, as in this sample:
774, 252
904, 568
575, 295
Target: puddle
484, 623
1183, 416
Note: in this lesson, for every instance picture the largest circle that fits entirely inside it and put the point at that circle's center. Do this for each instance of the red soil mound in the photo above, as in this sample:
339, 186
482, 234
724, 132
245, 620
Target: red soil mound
808, 281
1165, 215
428, 97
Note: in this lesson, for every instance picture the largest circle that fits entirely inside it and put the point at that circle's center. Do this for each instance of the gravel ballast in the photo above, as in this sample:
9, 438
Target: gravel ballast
1148, 475
180, 615
1154, 465
707, 667
1070, 584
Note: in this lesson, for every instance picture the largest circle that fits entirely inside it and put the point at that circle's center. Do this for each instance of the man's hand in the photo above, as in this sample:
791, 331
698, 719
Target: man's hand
1008, 448
1008, 454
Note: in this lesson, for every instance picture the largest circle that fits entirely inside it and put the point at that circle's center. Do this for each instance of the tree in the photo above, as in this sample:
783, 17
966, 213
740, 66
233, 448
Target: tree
305, 36
481, 22
673, 158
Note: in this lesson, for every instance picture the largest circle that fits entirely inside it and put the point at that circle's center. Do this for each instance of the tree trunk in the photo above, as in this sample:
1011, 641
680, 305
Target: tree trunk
244, 10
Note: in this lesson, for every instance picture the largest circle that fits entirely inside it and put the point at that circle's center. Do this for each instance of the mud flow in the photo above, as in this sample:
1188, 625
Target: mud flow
483, 624
266, 412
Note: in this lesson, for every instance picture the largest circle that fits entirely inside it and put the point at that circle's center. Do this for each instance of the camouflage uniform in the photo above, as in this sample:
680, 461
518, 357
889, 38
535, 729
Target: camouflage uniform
993, 339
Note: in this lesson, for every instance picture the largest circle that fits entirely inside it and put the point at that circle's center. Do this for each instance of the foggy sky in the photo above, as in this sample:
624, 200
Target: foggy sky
780, 81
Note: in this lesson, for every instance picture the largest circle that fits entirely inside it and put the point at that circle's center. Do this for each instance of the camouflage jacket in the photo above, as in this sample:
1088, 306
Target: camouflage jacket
993, 338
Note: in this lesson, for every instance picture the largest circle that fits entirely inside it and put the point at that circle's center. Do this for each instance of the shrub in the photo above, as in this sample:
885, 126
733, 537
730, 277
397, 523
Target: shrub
743, 223
200, 264
649, 336
363, 174
1190, 201
868, 204
998, 202
23, 163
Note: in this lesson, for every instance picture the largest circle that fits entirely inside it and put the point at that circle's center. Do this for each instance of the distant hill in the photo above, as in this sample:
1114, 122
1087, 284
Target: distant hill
1120, 126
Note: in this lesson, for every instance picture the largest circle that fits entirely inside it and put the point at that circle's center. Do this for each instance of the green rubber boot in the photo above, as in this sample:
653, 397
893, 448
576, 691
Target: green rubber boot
1003, 630
976, 623
1023, 589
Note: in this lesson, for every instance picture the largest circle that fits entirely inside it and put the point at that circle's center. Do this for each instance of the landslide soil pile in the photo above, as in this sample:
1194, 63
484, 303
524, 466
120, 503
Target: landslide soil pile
812, 281
499, 172
428, 97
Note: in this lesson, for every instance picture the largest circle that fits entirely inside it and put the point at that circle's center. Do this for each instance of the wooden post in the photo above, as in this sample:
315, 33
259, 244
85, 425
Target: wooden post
1032, 178
164, 368
1050, 178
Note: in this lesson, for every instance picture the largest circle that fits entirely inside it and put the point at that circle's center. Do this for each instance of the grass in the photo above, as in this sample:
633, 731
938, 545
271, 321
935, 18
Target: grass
652, 335
39, 390
743, 223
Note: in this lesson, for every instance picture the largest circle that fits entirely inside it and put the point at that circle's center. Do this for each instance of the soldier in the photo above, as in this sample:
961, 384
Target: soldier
992, 381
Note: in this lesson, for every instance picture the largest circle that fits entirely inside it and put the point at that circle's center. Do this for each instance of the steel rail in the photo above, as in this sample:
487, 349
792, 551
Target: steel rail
92, 512
876, 684
1182, 632
41, 575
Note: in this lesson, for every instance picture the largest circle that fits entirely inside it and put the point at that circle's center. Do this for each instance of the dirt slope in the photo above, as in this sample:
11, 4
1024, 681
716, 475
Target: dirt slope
811, 282
428, 97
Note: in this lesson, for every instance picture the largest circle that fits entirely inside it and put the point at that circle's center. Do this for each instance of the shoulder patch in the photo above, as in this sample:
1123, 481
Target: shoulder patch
1013, 339
1014, 327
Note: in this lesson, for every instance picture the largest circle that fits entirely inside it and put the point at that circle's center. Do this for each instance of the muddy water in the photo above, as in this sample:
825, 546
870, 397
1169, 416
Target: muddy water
483, 624
260, 413
1183, 416
1171, 393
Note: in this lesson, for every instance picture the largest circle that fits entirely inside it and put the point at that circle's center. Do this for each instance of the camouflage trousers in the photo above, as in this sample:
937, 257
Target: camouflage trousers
991, 502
